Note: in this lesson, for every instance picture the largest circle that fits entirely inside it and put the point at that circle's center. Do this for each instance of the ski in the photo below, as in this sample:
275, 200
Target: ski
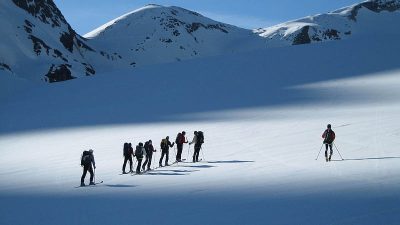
125, 173
90, 185
145, 171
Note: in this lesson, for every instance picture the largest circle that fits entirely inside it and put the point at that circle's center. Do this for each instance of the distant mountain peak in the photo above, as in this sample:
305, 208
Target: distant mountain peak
160, 34
336, 25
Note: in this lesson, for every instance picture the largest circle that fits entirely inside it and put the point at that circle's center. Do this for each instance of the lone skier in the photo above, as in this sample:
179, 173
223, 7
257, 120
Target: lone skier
128, 153
180, 140
139, 152
198, 140
165, 145
148, 147
87, 160
329, 137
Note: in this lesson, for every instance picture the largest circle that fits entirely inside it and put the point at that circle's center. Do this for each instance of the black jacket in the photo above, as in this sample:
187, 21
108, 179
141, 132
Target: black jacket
165, 144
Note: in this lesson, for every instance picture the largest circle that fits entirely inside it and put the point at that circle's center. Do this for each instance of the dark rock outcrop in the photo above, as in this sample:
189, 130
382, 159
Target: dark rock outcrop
375, 6
302, 37
59, 73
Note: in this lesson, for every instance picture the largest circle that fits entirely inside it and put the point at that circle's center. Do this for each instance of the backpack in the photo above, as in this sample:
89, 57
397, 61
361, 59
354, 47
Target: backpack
126, 150
178, 138
329, 136
85, 158
164, 144
139, 152
200, 137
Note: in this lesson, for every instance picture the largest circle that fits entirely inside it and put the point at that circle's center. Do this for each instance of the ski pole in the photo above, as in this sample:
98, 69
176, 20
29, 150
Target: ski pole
187, 157
319, 151
175, 151
154, 161
338, 151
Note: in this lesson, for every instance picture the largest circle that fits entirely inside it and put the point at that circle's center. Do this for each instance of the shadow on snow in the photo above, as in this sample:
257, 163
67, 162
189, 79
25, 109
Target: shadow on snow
238, 81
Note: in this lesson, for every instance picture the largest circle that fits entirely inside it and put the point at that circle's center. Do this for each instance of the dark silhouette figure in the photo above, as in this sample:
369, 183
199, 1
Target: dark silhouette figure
139, 153
329, 137
165, 145
128, 153
180, 140
198, 140
87, 160
148, 147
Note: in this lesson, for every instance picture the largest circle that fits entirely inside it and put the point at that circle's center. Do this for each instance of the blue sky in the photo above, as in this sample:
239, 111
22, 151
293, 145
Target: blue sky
86, 15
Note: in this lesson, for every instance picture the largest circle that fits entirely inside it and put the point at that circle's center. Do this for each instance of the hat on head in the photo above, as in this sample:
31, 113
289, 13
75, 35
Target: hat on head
329, 126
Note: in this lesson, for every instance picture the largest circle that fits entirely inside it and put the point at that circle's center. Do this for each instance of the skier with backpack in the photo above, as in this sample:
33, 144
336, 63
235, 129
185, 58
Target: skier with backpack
127, 153
198, 140
148, 147
180, 140
87, 159
139, 153
329, 137
165, 145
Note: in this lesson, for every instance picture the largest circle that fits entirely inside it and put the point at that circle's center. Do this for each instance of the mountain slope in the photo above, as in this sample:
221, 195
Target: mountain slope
374, 17
157, 34
37, 43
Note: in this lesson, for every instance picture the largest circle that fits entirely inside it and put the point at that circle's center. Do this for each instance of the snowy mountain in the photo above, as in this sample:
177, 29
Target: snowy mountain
37, 43
157, 34
374, 17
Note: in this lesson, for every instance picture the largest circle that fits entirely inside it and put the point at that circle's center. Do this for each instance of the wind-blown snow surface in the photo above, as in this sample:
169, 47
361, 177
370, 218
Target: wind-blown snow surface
262, 113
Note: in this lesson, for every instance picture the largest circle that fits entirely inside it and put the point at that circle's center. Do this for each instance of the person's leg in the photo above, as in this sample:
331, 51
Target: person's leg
149, 163
124, 166
197, 153
161, 159
85, 169
139, 164
130, 164
179, 153
145, 163
326, 152
331, 151
166, 158
91, 174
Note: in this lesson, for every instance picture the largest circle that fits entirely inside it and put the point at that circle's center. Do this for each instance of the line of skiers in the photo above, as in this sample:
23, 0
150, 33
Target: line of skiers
145, 151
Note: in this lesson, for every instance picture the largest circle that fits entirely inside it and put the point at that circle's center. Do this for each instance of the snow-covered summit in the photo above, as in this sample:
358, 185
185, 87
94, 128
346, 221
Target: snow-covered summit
37, 43
373, 17
159, 34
